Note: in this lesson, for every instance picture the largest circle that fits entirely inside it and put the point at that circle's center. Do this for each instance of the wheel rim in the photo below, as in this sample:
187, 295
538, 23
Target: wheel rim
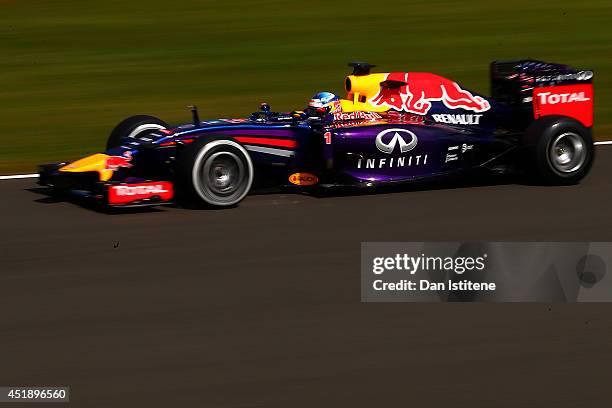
141, 130
223, 178
567, 153
223, 173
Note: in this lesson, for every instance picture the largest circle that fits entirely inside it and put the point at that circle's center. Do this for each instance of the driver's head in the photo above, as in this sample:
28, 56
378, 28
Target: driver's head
324, 102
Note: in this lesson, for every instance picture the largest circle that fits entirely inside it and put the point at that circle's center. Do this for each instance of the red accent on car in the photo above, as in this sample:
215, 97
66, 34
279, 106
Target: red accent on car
173, 142
414, 92
328, 137
127, 193
267, 141
115, 162
575, 101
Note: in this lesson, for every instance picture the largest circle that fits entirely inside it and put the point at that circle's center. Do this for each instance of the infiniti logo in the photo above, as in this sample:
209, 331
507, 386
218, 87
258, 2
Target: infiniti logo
397, 136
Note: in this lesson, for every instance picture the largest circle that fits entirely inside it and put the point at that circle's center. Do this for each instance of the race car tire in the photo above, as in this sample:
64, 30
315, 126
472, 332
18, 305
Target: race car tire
134, 126
214, 172
558, 151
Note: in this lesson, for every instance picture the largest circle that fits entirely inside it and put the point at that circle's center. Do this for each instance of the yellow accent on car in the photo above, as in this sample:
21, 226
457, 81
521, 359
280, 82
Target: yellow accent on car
360, 89
96, 162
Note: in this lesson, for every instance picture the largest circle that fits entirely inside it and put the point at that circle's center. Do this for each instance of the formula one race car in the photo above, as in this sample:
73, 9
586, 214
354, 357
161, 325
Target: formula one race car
392, 128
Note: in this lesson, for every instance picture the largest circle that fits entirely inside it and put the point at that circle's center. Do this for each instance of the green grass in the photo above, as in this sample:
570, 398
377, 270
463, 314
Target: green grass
70, 70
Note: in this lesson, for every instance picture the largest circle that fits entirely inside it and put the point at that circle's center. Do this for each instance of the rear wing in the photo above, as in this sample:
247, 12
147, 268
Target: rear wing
537, 89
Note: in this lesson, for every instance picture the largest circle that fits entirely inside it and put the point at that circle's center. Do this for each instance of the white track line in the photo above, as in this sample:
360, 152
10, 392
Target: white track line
18, 176
24, 176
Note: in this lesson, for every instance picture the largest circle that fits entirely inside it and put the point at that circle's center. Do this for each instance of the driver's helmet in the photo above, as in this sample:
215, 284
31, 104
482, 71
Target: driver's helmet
325, 102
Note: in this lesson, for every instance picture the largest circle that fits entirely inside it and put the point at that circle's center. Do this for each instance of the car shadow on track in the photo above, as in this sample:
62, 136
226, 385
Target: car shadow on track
425, 185
50, 197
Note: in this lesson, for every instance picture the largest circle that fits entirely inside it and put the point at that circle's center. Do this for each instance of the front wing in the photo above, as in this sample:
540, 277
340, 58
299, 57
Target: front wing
131, 192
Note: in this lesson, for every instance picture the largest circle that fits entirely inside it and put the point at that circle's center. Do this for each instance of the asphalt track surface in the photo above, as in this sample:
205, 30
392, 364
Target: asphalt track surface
260, 305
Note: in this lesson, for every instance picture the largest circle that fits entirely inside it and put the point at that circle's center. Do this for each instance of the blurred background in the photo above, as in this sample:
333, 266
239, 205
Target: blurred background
72, 69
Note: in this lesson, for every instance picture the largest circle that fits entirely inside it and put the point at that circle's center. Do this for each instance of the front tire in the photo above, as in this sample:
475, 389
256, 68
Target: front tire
558, 150
215, 172
134, 126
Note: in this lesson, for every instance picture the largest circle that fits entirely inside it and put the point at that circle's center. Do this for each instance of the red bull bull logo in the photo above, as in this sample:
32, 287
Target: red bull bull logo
115, 162
415, 91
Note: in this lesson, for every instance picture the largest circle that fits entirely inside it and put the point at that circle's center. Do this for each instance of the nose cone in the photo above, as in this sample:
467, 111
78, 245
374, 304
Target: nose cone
96, 162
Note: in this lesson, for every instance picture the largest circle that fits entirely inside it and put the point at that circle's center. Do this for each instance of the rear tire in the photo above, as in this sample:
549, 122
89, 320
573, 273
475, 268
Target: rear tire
214, 173
558, 151
134, 126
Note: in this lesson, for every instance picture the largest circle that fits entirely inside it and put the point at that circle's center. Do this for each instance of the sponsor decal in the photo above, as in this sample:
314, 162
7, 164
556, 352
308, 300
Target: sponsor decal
453, 151
459, 119
575, 101
126, 193
414, 92
466, 147
405, 139
405, 117
357, 115
335, 107
550, 98
115, 162
578, 76
303, 179
451, 157
392, 141
391, 162
348, 124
